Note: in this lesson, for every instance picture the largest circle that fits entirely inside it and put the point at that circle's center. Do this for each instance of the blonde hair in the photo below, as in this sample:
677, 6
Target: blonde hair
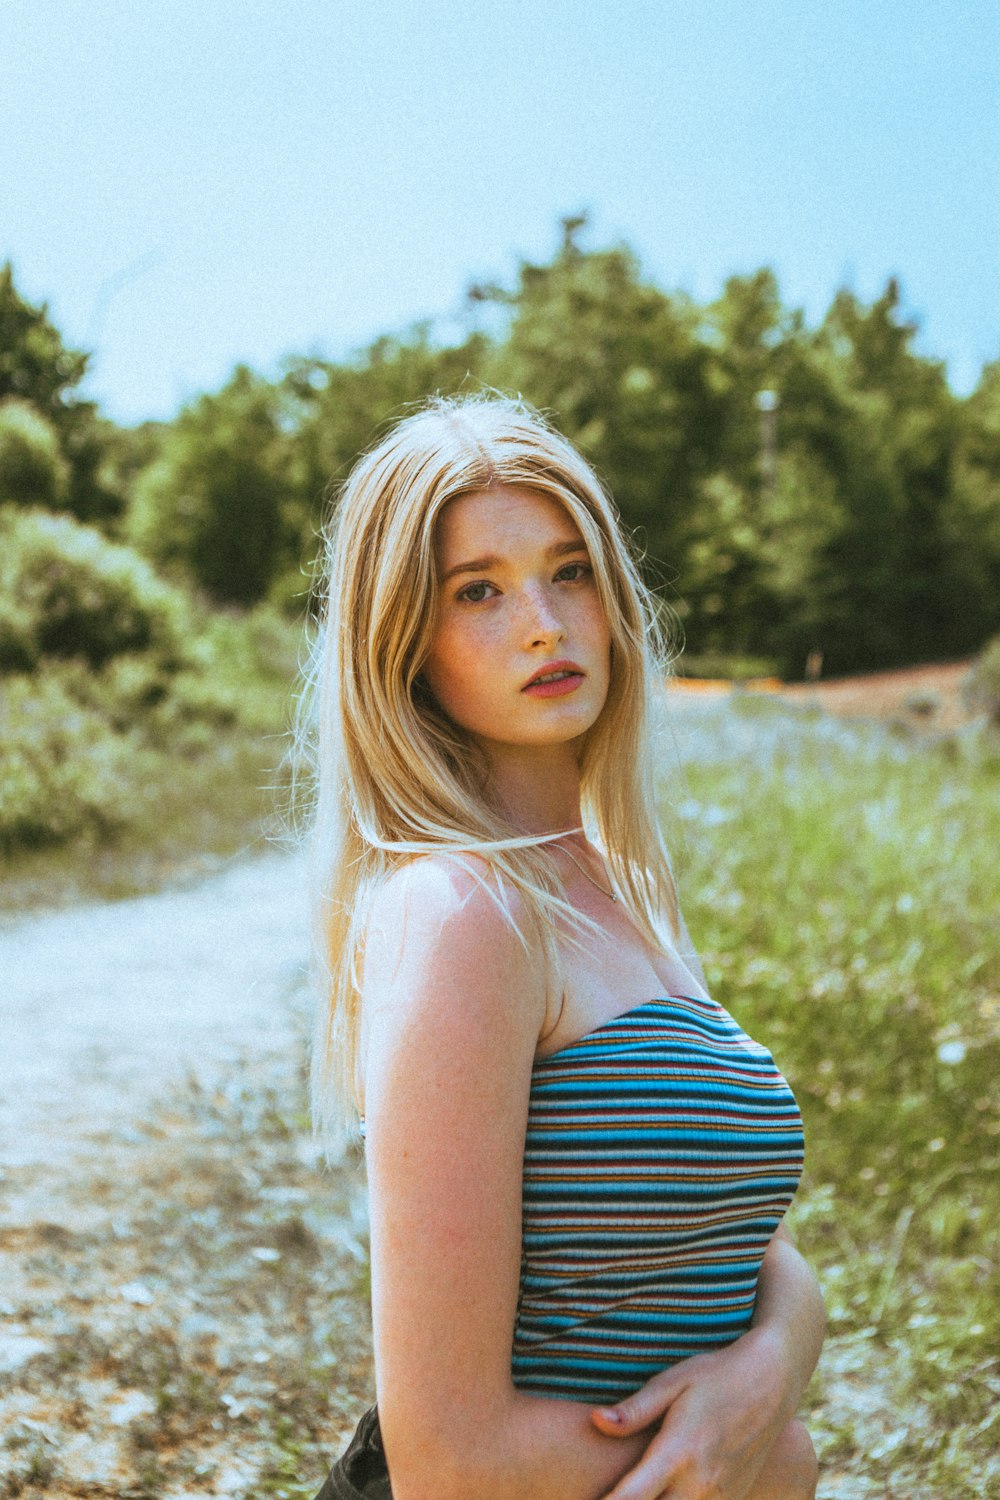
394, 776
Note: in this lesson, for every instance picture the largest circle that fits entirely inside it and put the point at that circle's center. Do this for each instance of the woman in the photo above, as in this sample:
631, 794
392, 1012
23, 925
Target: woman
577, 1162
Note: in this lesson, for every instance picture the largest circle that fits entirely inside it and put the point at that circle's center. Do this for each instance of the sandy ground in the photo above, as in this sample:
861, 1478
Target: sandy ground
103, 1005
926, 697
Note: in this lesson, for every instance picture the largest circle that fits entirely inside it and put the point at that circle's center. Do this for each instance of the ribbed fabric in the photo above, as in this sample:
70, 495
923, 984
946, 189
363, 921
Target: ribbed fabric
662, 1150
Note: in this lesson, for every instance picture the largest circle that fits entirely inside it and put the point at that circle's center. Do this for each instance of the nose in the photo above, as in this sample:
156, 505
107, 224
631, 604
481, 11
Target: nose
543, 620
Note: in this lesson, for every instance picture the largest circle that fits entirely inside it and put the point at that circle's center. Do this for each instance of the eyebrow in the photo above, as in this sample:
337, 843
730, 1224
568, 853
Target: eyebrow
481, 564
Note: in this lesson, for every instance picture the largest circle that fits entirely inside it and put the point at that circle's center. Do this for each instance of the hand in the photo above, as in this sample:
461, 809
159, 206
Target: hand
713, 1422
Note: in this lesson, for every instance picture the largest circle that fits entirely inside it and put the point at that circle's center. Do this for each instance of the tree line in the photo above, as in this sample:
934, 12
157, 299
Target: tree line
793, 489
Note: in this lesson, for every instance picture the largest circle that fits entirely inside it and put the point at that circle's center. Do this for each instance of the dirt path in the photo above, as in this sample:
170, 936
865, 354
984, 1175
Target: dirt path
928, 697
102, 1006
176, 1269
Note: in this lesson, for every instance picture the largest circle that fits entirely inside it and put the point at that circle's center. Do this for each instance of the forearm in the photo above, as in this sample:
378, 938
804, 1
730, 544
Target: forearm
552, 1454
789, 1316
537, 1448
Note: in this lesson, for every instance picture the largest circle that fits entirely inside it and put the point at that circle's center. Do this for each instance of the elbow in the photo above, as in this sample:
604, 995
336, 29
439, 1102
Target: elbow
437, 1481
443, 1469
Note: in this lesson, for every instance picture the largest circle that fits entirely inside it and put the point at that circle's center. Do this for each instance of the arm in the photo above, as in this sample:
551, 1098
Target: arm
453, 1009
727, 1415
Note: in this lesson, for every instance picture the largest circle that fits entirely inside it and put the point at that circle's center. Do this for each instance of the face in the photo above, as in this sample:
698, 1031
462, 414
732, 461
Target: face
517, 597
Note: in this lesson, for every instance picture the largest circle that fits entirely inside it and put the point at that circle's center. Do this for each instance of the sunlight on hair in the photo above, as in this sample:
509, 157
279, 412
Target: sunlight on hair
390, 778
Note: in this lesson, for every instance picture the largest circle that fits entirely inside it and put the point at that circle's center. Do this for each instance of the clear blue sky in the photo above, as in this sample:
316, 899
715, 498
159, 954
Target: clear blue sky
191, 184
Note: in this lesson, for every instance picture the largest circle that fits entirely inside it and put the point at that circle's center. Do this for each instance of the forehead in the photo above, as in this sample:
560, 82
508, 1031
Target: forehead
504, 515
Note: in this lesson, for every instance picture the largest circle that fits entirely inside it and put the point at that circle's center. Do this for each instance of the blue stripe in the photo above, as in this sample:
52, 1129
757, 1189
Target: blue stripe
662, 1150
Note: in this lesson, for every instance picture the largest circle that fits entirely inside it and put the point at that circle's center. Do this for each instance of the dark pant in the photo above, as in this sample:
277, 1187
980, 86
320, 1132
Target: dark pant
361, 1472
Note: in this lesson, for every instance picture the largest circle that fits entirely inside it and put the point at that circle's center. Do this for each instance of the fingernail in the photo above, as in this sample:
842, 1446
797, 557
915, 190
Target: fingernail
609, 1413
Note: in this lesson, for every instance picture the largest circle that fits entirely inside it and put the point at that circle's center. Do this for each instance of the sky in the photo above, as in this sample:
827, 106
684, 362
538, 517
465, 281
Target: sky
196, 183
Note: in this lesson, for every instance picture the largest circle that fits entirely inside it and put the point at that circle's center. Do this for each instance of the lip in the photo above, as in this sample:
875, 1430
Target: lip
553, 666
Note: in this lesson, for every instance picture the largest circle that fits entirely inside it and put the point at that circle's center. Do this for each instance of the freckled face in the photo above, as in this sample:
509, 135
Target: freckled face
529, 601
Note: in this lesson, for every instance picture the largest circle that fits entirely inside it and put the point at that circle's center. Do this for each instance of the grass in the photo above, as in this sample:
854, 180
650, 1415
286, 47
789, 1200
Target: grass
841, 883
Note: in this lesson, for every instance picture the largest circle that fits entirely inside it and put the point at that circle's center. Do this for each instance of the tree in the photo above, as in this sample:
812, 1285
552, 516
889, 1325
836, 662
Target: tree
32, 468
35, 365
892, 570
38, 371
620, 366
210, 506
333, 412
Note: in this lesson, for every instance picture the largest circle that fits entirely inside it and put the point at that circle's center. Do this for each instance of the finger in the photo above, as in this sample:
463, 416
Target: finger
653, 1478
637, 1411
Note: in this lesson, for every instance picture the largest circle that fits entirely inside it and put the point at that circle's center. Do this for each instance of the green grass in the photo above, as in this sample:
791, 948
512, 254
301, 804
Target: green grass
841, 883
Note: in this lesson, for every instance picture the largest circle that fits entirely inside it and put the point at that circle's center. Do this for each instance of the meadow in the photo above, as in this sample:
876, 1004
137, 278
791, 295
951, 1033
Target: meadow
840, 881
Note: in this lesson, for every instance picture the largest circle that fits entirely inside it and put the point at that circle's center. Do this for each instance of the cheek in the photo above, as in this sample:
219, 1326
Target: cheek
453, 667
595, 625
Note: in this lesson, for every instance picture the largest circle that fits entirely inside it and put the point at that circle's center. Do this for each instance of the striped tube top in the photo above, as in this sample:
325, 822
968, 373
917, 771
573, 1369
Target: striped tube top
662, 1150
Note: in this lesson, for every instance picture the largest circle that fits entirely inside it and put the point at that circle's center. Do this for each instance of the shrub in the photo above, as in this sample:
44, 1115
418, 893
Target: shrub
65, 772
66, 591
32, 469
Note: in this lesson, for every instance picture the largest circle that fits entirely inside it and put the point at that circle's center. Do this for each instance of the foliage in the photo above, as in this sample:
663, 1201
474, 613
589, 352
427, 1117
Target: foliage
65, 591
620, 366
90, 752
32, 468
35, 365
793, 490
65, 770
108, 674
63, 454
209, 508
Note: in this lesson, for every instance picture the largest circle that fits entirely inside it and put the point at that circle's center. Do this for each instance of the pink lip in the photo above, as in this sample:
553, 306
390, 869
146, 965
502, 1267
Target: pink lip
553, 689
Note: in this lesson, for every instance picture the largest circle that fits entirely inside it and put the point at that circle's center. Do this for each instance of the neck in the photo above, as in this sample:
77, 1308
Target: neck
538, 787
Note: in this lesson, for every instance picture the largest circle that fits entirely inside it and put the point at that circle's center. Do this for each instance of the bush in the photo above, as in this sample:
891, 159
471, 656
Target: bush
32, 469
65, 591
981, 689
65, 771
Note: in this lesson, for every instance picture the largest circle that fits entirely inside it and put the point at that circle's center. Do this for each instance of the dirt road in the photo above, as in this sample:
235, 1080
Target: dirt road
183, 1286
102, 1006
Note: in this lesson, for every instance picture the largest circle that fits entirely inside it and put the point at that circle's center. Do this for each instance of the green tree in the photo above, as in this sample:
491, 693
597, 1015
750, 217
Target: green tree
620, 366
892, 571
333, 412
37, 369
210, 506
32, 468
975, 514
35, 365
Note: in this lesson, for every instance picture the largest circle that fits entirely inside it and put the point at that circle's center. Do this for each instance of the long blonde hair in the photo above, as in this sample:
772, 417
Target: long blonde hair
394, 777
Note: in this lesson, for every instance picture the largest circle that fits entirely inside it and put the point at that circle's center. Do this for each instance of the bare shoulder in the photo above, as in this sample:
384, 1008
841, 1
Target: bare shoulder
443, 951
447, 902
